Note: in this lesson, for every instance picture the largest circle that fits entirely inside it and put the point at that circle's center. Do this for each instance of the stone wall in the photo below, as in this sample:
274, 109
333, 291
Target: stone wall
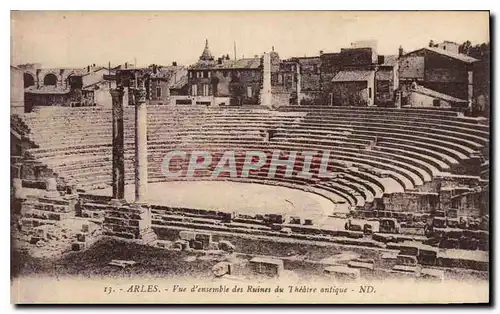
38, 211
129, 221
16, 90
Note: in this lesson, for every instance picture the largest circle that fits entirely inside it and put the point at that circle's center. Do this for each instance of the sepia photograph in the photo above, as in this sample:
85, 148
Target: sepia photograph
250, 157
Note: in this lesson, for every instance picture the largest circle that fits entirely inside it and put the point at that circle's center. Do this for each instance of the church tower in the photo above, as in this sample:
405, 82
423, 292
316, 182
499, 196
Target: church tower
206, 55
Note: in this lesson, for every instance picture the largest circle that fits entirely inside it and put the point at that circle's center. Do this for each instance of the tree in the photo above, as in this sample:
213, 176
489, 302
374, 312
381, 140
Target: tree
431, 43
465, 47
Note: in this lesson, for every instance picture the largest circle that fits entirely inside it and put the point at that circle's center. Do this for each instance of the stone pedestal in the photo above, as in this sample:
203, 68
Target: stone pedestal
17, 187
130, 222
51, 188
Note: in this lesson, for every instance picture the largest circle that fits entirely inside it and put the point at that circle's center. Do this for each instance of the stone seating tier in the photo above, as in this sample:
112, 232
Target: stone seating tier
411, 147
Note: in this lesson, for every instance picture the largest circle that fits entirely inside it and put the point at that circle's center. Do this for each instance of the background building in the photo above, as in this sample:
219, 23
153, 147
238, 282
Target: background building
438, 70
239, 81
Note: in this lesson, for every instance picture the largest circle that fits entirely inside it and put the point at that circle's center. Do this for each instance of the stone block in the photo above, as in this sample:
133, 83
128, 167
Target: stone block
85, 228
77, 246
125, 235
115, 221
98, 215
81, 237
134, 223
35, 239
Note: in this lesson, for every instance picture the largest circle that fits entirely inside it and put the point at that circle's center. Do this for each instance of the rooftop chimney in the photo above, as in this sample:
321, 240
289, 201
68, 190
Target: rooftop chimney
321, 52
401, 52
219, 60
174, 63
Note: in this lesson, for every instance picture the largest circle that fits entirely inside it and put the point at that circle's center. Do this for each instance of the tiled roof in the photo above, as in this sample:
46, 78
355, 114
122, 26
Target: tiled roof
352, 76
180, 83
247, 63
46, 90
164, 71
458, 56
93, 85
432, 93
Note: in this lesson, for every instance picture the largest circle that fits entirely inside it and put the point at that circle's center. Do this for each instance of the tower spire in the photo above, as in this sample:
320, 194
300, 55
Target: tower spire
206, 55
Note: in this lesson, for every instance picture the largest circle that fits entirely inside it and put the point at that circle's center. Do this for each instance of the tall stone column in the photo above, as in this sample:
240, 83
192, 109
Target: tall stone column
141, 148
266, 84
118, 144
299, 82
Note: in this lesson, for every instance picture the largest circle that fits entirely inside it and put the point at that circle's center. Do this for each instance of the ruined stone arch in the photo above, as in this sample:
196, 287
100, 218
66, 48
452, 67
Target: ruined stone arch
50, 79
28, 79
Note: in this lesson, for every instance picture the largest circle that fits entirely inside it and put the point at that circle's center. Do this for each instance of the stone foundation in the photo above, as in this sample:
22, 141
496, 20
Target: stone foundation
129, 221
42, 211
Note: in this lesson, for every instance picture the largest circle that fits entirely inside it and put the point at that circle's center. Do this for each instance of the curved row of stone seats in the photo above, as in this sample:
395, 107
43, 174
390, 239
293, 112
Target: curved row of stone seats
396, 112
459, 138
468, 136
422, 169
160, 153
410, 162
454, 151
345, 192
97, 175
416, 119
368, 128
156, 164
155, 170
401, 175
355, 189
417, 144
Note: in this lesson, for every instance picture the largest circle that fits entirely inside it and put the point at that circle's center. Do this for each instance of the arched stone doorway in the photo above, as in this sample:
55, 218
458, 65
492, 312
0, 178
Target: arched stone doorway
28, 79
50, 79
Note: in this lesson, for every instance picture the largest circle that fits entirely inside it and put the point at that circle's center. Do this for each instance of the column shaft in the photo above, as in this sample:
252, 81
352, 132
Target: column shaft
118, 145
141, 149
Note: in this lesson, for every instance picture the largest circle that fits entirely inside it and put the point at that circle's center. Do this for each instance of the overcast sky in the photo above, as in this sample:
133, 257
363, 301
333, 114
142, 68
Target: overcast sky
75, 39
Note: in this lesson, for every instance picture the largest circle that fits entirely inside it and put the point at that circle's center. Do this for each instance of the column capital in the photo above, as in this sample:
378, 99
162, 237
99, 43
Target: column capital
116, 92
140, 95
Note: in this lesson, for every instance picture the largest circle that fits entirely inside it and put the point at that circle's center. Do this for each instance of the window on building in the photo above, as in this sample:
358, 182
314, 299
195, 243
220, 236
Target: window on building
249, 91
205, 89
205, 74
436, 102
225, 73
194, 90
158, 92
369, 92
190, 74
